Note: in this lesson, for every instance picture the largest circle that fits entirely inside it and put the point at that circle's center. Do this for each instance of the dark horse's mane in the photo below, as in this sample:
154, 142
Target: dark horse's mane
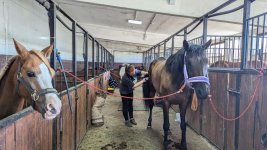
175, 62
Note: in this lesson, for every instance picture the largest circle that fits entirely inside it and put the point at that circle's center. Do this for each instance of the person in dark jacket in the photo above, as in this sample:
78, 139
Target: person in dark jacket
126, 90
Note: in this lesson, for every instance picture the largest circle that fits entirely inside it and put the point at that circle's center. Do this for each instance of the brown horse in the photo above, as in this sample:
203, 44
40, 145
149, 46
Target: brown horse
186, 68
250, 64
28, 79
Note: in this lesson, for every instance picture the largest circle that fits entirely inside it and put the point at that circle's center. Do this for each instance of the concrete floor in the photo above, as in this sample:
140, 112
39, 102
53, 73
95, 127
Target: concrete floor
114, 135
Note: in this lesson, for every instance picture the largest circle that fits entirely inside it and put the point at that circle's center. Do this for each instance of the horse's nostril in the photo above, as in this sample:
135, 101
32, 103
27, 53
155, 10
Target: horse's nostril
53, 111
199, 92
51, 108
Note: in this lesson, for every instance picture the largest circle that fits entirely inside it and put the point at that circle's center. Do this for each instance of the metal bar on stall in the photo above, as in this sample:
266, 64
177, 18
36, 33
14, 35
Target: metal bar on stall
154, 49
152, 57
164, 51
185, 34
147, 59
93, 57
65, 14
205, 30
262, 43
74, 70
204, 37
101, 59
107, 60
245, 27
104, 59
172, 50
63, 23
52, 26
74, 61
251, 40
257, 43
113, 61
97, 58
158, 51
86, 56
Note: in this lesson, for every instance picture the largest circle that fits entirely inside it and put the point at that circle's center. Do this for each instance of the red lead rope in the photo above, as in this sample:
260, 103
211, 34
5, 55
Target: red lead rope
118, 95
246, 109
179, 91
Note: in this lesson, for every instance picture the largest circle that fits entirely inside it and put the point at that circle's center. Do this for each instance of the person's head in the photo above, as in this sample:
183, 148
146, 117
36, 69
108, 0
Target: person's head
129, 69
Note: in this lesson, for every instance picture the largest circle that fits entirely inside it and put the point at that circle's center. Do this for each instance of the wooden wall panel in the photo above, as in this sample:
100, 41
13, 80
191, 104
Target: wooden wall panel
68, 120
246, 124
81, 114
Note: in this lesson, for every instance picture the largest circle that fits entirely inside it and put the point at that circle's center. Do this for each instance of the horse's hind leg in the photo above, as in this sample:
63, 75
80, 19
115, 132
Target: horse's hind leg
152, 93
183, 128
166, 125
150, 114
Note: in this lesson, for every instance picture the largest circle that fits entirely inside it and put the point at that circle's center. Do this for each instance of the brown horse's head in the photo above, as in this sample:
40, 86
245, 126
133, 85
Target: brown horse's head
196, 64
35, 81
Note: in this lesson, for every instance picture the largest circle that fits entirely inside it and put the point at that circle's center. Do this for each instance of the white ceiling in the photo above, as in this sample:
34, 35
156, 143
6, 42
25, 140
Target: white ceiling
107, 20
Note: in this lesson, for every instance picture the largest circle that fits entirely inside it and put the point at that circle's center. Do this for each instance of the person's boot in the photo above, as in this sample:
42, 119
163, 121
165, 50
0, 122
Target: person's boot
133, 121
128, 123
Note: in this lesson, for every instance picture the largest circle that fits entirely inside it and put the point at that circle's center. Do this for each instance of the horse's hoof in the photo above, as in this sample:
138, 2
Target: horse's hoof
149, 127
183, 147
165, 145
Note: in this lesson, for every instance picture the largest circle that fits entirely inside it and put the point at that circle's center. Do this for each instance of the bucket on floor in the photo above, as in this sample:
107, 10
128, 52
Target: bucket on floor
178, 118
111, 90
99, 121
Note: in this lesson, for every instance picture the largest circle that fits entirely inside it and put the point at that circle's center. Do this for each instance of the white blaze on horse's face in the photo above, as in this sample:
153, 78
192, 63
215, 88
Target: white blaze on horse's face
53, 103
49, 104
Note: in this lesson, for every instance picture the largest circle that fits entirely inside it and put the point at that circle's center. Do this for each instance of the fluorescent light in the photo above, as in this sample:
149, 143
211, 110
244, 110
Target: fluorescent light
134, 21
44, 38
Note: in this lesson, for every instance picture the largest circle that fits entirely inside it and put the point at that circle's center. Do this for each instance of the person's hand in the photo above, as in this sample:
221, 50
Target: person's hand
145, 79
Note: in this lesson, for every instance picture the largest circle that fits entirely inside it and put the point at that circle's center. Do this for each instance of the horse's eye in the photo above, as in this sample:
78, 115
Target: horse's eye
31, 74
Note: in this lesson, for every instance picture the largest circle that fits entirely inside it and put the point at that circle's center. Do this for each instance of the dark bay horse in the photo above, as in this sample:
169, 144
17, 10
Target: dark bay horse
186, 68
27, 78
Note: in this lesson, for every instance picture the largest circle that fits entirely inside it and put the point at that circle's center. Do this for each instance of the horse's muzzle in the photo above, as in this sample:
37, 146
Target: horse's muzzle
202, 90
51, 106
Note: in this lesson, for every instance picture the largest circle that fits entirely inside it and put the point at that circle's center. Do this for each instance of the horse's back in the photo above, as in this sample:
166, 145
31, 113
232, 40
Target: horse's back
155, 65
158, 75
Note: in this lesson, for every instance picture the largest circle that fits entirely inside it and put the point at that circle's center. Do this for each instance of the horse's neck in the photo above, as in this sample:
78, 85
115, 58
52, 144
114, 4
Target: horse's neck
174, 66
10, 101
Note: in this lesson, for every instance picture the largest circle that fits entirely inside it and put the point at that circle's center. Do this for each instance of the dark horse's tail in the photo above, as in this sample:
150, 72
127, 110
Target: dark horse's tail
148, 89
146, 92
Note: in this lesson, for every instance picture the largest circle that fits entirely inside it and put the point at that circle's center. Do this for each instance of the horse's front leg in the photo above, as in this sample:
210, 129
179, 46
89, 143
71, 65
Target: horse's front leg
166, 124
183, 128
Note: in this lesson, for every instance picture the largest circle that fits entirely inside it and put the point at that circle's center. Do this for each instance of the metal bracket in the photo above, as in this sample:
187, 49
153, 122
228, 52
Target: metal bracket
232, 91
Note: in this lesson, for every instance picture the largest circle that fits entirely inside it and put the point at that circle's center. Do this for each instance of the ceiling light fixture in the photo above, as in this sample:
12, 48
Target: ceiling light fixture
134, 22
44, 38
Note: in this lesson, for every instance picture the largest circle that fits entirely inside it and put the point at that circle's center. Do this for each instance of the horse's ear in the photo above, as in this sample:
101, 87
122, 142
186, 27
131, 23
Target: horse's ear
185, 45
206, 45
47, 51
21, 50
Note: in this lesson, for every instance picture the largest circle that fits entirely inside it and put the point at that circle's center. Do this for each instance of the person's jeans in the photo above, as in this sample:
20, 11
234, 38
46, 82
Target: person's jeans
127, 106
